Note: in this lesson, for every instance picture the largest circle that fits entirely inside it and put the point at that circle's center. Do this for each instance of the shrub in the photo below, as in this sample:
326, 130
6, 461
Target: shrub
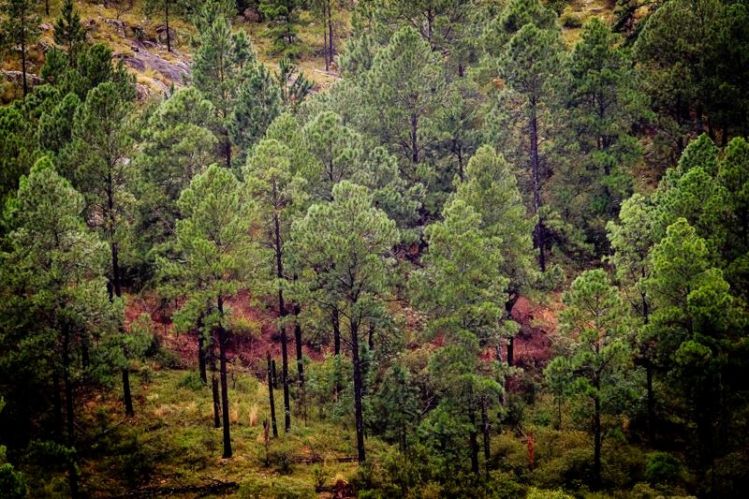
663, 468
191, 381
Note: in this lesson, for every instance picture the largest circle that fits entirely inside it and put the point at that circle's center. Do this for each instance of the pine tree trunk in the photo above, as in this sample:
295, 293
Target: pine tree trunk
116, 288
166, 22
326, 52
271, 398
597, 442
536, 173
511, 351
201, 357
224, 385
358, 391
69, 413
299, 355
23, 66
331, 44
336, 320
414, 138
215, 390
473, 439
281, 325
57, 404
487, 437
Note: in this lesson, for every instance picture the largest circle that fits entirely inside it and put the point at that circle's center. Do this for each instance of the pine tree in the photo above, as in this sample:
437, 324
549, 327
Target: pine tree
97, 162
56, 265
344, 246
216, 255
282, 14
403, 89
258, 103
69, 32
177, 144
530, 64
595, 323
490, 188
218, 68
604, 104
19, 27
463, 288
271, 182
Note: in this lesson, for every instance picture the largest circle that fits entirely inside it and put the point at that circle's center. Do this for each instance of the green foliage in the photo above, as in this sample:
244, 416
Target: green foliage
663, 468
283, 17
69, 32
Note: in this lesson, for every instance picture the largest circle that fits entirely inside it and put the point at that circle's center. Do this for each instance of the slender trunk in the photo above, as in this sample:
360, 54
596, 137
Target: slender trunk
511, 351
68, 386
370, 337
214, 390
69, 413
331, 44
57, 403
224, 386
358, 388
271, 397
299, 356
651, 401
281, 325
326, 53
414, 138
336, 320
487, 437
597, 441
201, 357
473, 439
536, 173
275, 375
85, 352
116, 290
166, 21
23, 66
46, 7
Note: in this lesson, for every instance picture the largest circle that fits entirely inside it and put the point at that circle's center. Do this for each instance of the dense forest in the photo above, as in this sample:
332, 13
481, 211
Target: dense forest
374, 248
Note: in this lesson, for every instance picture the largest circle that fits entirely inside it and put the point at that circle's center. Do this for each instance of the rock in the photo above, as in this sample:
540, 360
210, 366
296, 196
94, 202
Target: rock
46, 27
161, 33
178, 72
252, 15
17, 77
134, 63
118, 25
139, 32
90, 25
141, 91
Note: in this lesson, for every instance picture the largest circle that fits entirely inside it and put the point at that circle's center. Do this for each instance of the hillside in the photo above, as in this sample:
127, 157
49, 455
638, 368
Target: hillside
381, 248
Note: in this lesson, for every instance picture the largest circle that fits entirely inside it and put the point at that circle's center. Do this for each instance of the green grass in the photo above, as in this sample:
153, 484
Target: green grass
171, 441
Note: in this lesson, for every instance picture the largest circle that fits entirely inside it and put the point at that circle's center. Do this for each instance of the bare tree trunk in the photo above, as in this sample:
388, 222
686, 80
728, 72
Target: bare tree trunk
597, 443
69, 410
487, 437
299, 355
224, 386
473, 439
23, 67
166, 22
215, 390
335, 319
536, 173
271, 397
281, 326
358, 391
